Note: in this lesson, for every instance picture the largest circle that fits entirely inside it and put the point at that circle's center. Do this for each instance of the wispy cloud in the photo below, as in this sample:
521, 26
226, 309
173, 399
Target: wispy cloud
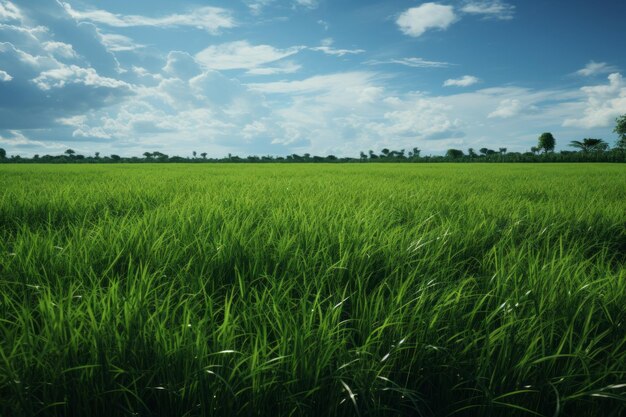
465, 81
417, 20
210, 19
282, 68
507, 109
490, 9
413, 62
596, 68
8, 11
117, 43
5, 76
328, 49
242, 55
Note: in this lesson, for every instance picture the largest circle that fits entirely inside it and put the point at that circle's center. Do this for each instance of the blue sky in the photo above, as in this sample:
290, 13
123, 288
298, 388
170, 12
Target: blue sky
295, 76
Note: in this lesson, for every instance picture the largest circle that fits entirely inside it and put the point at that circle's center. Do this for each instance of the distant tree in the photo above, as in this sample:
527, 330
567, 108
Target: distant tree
534, 150
331, 157
70, 152
454, 153
416, 152
491, 152
194, 154
148, 155
483, 151
471, 153
363, 156
502, 151
97, 155
620, 129
115, 157
385, 152
203, 155
546, 142
372, 154
36, 156
3, 153
588, 145
402, 152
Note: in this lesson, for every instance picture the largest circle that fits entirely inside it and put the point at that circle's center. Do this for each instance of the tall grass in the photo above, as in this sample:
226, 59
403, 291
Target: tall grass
340, 290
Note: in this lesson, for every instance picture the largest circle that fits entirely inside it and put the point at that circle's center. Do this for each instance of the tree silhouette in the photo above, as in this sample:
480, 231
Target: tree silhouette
483, 151
148, 155
454, 153
534, 149
416, 152
620, 129
502, 151
3, 153
589, 144
97, 155
546, 142
385, 152
70, 152
203, 155
194, 154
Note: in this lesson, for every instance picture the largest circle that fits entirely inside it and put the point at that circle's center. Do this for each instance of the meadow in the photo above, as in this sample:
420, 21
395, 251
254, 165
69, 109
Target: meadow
313, 290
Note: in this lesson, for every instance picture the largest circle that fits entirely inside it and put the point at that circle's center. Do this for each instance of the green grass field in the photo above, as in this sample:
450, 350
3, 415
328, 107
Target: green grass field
320, 290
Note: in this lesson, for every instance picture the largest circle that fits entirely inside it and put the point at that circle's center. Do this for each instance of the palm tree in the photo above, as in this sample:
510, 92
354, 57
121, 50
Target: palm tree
203, 155
589, 144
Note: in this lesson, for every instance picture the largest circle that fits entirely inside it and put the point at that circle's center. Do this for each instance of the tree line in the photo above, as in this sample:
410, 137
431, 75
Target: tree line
586, 150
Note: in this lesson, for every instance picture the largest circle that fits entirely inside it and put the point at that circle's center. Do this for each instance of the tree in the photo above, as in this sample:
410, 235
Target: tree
416, 152
372, 154
148, 155
203, 155
194, 154
589, 144
620, 129
546, 142
483, 151
70, 152
503, 151
471, 153
3, 153
454, 153
534, 150
363, 156
97, 155
385, 152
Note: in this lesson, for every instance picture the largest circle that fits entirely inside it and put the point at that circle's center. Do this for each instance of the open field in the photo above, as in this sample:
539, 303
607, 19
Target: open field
409, 289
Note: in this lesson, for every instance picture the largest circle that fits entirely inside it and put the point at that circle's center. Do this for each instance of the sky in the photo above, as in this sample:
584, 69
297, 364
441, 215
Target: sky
277, 77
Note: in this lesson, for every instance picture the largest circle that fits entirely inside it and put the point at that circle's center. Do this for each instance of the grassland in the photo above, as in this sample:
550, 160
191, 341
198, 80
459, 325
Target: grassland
321, 290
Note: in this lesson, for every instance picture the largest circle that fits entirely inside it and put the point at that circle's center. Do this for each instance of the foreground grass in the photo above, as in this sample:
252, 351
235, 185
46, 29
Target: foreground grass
313, 290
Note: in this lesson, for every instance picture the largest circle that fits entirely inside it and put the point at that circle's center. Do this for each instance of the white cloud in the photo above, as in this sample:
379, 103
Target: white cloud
287, 67
118, 43
73, 74
465, 81
8, 11
210, 19
311, 4
595, 68
337, 52
490, 9
507, 109
602, 105
242, 55
411, 62
417, 20
317, 84
5, 76
59, 49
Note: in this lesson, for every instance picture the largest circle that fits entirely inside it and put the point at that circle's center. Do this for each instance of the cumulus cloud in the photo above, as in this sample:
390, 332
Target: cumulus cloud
210, 19
73, 74
417, 20
242, 55
596, 68
490, 9
602, 105
465, 81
